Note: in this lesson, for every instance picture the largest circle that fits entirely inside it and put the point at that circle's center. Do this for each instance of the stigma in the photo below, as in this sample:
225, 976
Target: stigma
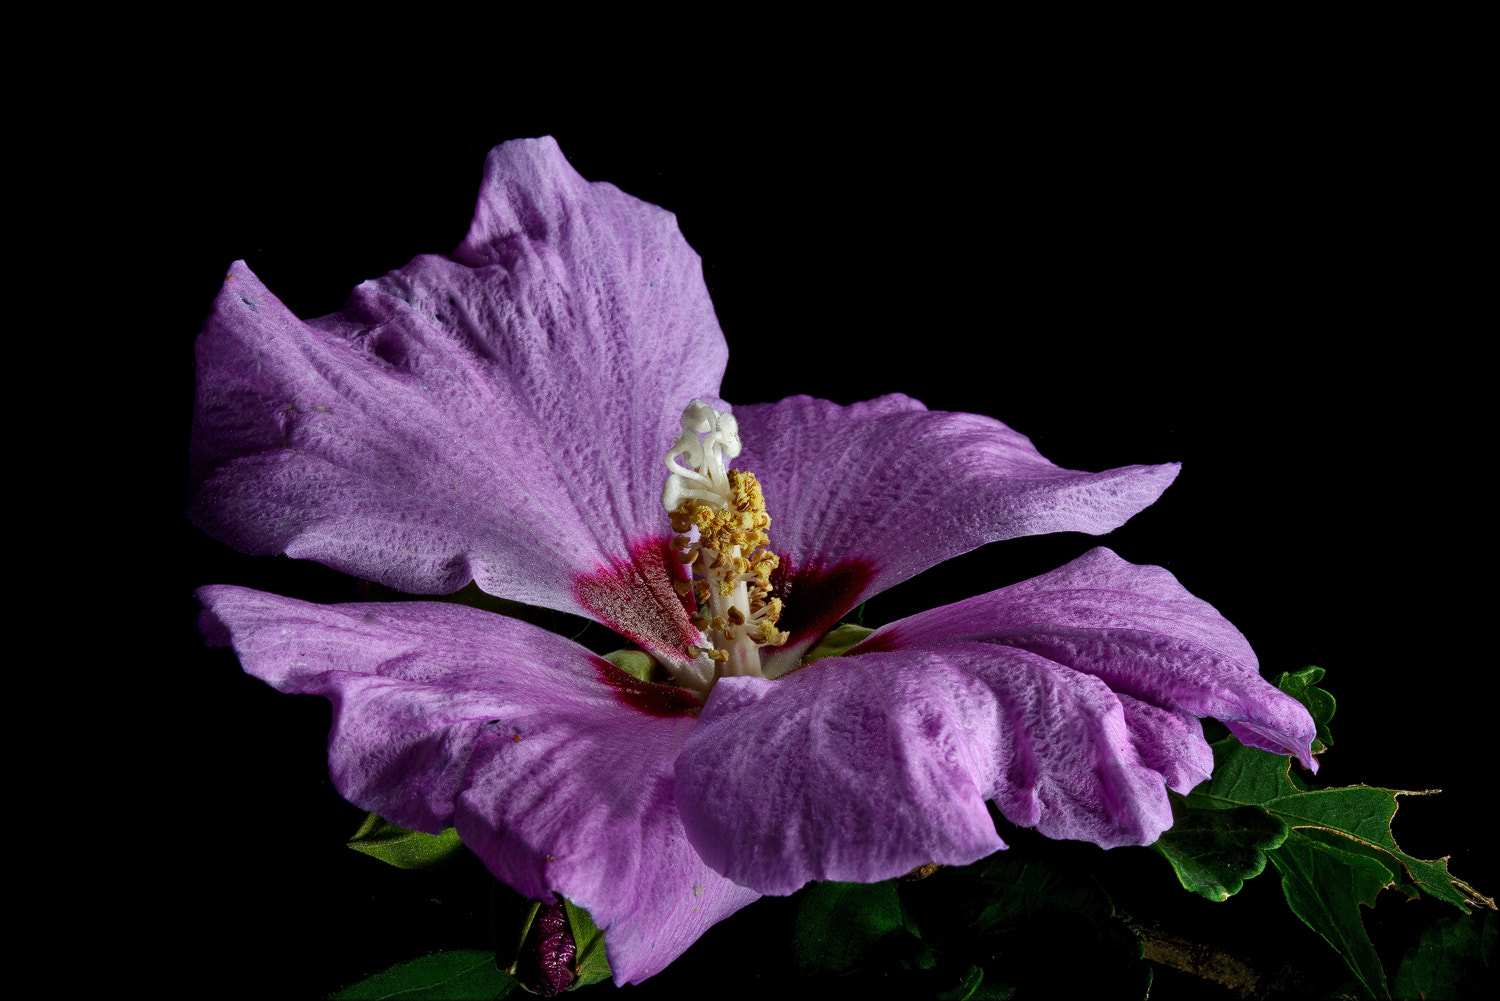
721, 520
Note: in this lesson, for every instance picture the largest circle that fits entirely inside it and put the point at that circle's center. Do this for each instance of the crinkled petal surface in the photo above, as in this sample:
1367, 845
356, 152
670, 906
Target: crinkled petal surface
1137, 629
499, 415
554, 765
865, 496
1070, 700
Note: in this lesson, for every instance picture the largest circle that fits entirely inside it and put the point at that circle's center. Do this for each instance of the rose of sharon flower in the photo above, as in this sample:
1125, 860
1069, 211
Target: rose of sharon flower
539, 413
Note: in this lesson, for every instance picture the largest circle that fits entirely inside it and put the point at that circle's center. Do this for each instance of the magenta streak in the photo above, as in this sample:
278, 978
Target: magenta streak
645, 696
813, 598
635, 598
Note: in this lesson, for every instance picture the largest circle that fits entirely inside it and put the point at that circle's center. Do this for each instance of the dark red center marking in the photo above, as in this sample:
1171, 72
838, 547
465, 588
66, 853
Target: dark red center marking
645, 696
814, 597
635, 598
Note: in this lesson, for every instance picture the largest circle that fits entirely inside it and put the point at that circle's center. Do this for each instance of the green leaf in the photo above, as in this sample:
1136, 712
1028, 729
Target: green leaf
1378, 860
843, 927
837, 641
589, 962
1456, 958
1324, 887
1244, 776
1215, 851
461, 975
1300, 685
402, 848
1340, 852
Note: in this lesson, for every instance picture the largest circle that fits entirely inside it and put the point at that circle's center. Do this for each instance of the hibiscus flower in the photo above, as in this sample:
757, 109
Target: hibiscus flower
539, 413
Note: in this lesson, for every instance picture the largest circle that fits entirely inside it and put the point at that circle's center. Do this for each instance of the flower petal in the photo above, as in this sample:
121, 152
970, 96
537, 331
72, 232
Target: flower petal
500, 415
554, 765
1137, 629
597, 821
852, 773
863, 768
866, 496
1071, 700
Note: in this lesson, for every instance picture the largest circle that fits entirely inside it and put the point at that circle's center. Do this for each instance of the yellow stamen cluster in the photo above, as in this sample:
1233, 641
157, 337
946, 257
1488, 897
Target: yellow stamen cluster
728, 552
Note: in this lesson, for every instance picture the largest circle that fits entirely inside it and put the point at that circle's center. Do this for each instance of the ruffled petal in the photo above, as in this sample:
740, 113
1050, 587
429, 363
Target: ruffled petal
1170, 742
862, 768
853, 773
597, 821
554, 765
500, 415
1071, 700
1137, 629
865, 496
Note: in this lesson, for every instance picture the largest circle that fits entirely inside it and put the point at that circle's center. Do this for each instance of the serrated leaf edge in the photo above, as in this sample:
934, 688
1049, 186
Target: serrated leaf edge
1466, 891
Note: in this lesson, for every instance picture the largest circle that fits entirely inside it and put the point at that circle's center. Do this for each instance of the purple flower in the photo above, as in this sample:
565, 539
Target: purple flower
502, 416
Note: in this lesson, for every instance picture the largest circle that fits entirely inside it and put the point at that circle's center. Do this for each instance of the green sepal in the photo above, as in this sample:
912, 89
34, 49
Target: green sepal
402, 848
590, 965
1213, 852
837, 641
511, 918
637, 663
460, 975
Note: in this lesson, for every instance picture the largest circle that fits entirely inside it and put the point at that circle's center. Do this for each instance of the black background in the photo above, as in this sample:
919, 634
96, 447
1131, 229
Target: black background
1269, 283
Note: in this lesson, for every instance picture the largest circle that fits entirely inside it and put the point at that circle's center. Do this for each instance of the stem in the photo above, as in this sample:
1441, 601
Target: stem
1207, 962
